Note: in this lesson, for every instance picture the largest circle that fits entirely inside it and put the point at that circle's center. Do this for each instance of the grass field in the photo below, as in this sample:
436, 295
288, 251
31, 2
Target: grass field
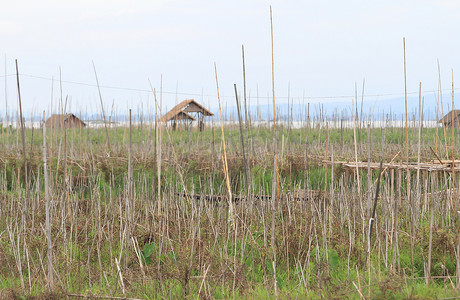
122, 219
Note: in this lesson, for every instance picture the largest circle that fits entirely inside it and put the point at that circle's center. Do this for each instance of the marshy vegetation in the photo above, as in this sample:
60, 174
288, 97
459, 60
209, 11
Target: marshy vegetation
129, 211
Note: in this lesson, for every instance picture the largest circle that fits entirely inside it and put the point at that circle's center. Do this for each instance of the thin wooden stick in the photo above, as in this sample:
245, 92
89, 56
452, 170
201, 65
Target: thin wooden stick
244, 88
275, 189
224, 161
407, 159
326, 155
107, 141
47, 212
437, 157
369, 174
275, 138
442, 110
204, 278
64, 127
361, 118
437, 120
130, 161
458, 264
356, 149
138, 254
453, 145
158, 151
419, 142
306, 152
247, 120
371, 220
246, 167
6, 102
430, 245
176, 163
358, 119
386, 168
407, 132
359, 292
24, 154
160, 139
122, 284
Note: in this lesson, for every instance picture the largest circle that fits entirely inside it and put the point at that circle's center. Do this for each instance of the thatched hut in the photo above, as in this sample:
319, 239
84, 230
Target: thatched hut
66, 120
451, 118
186, 112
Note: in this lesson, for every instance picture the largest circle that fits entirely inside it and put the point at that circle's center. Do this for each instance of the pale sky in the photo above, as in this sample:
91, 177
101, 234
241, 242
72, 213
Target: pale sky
321, 49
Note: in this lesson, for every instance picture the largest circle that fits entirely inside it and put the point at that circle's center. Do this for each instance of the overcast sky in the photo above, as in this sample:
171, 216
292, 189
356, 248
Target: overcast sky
321, 49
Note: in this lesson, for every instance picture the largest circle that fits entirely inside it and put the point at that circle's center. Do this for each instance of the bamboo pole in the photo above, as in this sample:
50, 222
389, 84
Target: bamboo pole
6, 102
159, 142
66, 179
419, 142
224, 161
130, 162
61, 125
246, 167
107, 141
454, 204
176, 163
369, 176
156, 129
407, 132
275, 139
158, 153
430, 245
306, 152
247, 120
24, 154
361, 118
356, 149
371, 223
358, 119
47, 211
442, 110
244, 88
326, 155
437, 119
275, 189
407, 159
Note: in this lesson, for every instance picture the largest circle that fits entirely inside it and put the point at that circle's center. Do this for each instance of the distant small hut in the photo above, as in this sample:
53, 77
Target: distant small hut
185, 113
66, 120
451, 118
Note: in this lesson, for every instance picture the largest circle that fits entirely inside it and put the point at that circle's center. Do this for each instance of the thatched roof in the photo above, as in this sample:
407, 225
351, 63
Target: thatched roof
447, 119
181, 111
69, 120
178, 115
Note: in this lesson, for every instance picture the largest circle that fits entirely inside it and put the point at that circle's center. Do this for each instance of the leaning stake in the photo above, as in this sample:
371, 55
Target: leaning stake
372, 219
107, 141
23, 134
246, 168
224, 160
